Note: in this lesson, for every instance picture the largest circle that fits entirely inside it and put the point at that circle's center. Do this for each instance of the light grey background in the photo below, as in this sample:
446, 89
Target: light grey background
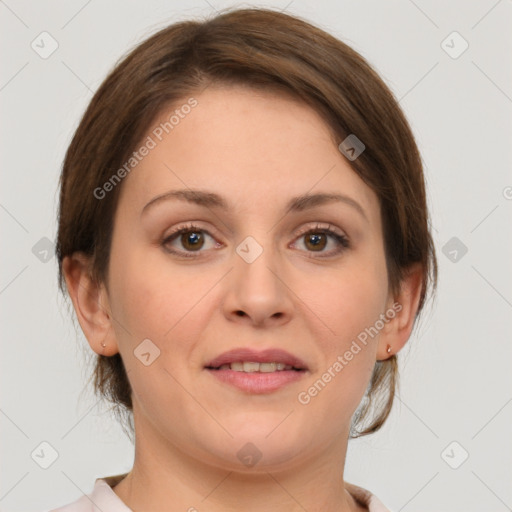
456, 378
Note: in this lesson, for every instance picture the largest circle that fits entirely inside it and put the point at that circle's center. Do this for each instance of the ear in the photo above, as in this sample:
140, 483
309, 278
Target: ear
90, 301
398, 329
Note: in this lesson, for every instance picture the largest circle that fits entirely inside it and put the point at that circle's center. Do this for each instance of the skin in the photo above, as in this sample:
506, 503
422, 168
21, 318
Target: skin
257, 150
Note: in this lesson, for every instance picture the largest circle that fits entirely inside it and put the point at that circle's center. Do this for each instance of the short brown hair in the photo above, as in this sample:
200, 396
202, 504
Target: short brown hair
257, 48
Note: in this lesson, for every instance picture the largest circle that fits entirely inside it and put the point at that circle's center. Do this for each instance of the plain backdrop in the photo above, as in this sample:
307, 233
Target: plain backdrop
447, 445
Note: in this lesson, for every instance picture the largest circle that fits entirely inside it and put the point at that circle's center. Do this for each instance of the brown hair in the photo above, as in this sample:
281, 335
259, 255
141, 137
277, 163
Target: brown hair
256, 48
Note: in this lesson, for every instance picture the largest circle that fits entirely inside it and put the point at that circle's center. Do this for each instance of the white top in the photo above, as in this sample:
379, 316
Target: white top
104, 499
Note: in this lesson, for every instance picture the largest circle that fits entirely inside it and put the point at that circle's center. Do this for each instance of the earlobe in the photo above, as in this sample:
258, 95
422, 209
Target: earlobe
90, 302
397, 332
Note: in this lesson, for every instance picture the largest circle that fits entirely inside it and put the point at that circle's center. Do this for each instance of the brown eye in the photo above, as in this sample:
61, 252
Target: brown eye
189, 241
192, 240
315, 241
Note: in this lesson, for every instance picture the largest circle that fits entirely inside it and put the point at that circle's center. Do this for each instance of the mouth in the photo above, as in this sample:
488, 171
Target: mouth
251, 361
257, 372
253, 366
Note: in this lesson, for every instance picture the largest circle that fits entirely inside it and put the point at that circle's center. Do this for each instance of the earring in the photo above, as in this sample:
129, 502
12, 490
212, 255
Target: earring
103, 345
388, 350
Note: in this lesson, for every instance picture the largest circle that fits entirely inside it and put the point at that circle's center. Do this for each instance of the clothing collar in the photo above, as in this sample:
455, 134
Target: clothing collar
104, 497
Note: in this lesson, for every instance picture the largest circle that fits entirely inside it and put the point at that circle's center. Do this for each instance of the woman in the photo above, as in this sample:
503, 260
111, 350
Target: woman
244, 235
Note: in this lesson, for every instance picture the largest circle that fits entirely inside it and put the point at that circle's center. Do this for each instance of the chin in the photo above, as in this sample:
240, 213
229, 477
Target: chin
259, 447
266, 427
253, 458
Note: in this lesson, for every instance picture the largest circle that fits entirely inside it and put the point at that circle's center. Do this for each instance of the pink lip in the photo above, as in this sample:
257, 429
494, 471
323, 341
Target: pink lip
273, 355
257, 382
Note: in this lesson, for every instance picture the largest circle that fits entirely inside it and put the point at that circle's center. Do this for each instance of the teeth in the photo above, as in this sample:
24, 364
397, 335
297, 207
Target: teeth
268, 367
251, 367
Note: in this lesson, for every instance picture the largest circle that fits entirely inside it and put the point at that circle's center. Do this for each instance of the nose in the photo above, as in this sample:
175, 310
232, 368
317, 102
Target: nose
257, 292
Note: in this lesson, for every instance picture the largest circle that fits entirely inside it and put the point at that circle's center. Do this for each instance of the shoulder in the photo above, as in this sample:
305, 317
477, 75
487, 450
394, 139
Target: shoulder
102, 498
366, 498
83, 504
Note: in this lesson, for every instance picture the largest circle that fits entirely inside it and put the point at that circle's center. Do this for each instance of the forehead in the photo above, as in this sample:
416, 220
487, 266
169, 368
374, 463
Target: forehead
250, 145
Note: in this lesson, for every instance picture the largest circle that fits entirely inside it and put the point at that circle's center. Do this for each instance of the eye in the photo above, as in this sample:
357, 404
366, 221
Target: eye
191, 238
317, 239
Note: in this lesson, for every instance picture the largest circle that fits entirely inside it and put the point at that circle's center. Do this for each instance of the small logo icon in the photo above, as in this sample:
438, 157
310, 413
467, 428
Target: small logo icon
351, 147
249, 455
454, 45
507, 193
146, 352
249, 249
454, 455
44, 455
44, 45
44, 250
454, 249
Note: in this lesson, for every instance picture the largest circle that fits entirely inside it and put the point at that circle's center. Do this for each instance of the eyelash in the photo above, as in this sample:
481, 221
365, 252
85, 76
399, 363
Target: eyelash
342, 240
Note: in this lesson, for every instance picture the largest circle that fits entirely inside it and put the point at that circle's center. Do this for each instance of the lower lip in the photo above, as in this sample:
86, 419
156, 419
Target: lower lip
258, 382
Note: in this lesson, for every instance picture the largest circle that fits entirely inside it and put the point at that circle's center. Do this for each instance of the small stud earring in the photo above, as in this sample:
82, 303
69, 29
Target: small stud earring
103, 345
389, 349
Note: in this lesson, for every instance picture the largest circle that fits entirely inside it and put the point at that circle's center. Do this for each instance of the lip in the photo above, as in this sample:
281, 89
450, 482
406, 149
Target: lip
256, 382
272, 355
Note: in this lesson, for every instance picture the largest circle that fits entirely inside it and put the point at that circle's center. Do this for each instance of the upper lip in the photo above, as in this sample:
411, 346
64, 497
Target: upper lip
272, 355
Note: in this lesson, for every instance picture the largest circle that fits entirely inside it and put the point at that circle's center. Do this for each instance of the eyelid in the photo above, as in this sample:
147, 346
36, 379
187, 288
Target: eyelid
325, 226
342, 240
190, 226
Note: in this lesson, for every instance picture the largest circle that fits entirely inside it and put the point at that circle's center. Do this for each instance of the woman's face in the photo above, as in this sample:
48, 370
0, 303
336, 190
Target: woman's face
248, 277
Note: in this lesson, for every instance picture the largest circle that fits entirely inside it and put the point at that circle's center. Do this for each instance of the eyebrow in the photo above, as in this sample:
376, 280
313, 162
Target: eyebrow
212, 200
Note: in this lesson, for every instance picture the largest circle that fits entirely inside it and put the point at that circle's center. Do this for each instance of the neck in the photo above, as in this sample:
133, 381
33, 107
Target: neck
165, 478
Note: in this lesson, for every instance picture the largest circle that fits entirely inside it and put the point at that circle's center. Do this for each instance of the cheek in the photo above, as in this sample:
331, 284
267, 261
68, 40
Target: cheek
167, 310
347, 302
167, 305
349, 310
155, 297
